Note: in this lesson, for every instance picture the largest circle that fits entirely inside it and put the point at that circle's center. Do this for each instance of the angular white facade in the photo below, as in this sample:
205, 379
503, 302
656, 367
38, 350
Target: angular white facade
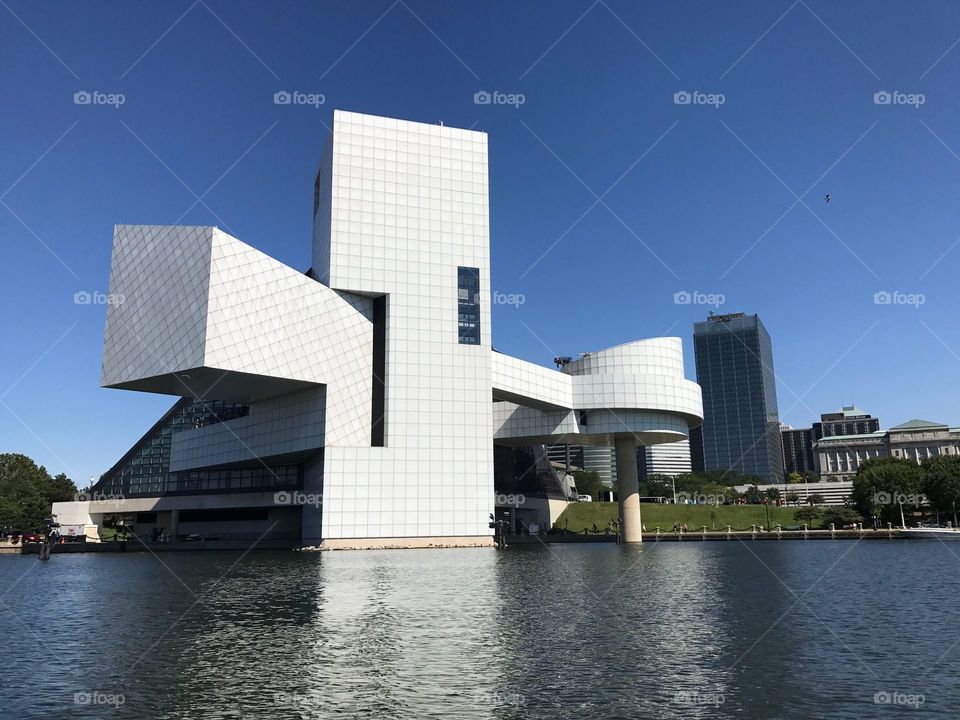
371, 378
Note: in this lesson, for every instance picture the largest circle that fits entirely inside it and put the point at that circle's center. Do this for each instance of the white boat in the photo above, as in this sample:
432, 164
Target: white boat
931, 532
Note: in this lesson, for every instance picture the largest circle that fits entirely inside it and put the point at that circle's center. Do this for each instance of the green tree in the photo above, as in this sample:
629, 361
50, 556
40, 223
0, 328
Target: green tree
810, 476
815, 499
794, 478
772, 494
839, 516
27, 491
809, 515
753, 495
881, 484
940, 481
793, 498
657, 486
588, 483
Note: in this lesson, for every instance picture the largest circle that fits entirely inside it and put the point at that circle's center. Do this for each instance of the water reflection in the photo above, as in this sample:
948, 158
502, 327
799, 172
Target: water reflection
664, 630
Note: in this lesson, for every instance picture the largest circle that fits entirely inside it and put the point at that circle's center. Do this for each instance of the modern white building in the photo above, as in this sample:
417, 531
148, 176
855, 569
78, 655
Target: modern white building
357, 404
667, 459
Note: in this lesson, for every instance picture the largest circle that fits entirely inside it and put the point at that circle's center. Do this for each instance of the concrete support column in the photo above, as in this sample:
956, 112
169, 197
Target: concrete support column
174, 525
628, 490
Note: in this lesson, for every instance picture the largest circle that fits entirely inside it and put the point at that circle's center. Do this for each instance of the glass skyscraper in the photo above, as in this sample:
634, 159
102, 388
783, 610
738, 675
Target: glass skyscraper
741, 426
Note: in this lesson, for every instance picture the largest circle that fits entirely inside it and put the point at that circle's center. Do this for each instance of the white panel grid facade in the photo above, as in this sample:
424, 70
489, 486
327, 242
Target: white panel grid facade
409, 206
155, 325
267, 319
401, 206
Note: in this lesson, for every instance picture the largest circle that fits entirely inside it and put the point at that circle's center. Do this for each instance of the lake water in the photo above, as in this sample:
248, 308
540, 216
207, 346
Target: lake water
787, 629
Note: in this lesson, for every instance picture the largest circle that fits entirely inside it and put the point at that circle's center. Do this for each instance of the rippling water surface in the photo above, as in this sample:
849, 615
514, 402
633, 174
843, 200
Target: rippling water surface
787, 629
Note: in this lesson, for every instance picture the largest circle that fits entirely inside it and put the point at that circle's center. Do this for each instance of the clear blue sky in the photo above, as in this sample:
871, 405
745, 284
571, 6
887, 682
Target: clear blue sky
707, 209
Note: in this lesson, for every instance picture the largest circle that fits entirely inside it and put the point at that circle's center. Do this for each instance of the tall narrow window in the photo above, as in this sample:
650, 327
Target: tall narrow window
468, 305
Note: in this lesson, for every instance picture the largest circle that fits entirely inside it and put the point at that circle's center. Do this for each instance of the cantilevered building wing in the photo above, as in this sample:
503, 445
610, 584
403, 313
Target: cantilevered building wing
372, 375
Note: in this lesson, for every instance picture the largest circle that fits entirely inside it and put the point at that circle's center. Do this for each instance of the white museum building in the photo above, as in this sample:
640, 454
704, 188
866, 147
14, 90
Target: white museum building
358, 404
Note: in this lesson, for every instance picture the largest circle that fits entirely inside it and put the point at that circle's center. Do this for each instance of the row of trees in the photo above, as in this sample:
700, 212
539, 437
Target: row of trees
883, 485
27, 490
715, 486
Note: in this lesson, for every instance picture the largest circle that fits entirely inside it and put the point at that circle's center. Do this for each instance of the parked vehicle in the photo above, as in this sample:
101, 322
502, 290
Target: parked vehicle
29, 537
584, 498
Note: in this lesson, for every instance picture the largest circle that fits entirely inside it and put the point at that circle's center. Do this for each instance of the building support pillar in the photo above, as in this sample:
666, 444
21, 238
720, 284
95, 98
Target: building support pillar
174, 525
628, 490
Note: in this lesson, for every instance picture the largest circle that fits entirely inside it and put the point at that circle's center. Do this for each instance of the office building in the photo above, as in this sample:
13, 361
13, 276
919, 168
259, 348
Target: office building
666, 459
741, 427
850, 420
798, 454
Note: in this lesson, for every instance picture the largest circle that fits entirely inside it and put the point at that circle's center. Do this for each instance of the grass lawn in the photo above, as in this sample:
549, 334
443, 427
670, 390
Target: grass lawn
579, 516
